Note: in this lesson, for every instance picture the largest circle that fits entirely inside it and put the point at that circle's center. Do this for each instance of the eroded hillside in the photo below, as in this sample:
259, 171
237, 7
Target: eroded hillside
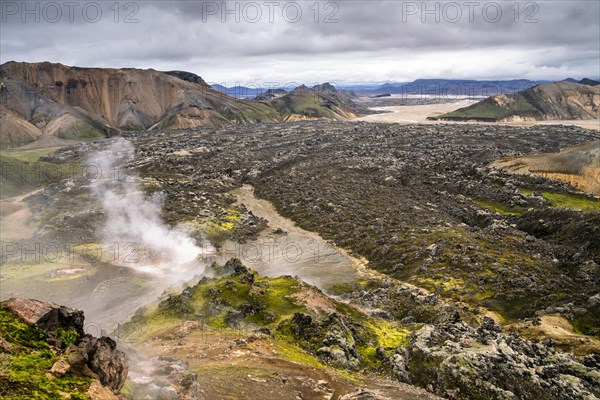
59, 101
577, 165
548, 101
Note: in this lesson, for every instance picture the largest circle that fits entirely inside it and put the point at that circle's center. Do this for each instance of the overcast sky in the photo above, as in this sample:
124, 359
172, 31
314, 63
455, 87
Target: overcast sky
308, 41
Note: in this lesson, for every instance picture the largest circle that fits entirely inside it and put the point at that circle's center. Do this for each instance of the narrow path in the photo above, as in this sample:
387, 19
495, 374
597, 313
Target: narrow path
296, 251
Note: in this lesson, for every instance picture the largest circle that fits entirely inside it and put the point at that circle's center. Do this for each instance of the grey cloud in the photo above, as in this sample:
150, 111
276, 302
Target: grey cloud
180, 34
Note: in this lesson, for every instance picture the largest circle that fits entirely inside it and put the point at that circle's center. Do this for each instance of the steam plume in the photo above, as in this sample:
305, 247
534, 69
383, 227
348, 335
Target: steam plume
134, 220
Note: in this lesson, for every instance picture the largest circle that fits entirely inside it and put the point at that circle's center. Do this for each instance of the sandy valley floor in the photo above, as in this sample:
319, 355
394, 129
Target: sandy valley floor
411, 114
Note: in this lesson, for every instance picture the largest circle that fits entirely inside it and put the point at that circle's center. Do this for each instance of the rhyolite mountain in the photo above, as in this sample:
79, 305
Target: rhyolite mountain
319, 102
82, 103
49, 101
550, 101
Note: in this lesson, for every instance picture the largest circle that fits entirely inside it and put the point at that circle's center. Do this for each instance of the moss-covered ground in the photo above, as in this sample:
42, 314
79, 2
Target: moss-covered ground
241, 301
26, 358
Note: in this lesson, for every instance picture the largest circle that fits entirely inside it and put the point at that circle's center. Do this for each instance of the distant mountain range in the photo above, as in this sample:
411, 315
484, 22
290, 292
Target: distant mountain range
452, 87
245, 92
240, 92
48, 103
429, 87
439, 87
562, 100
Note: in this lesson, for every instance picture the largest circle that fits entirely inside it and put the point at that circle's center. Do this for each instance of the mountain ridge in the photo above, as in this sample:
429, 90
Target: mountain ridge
550, 101
65, 102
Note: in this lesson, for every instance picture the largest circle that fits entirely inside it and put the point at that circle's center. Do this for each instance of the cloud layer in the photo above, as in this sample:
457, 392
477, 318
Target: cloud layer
309, 41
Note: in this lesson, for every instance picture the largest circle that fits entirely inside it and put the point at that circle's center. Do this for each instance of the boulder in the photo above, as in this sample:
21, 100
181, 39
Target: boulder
48, 317
339, 347
103, 358
98, 358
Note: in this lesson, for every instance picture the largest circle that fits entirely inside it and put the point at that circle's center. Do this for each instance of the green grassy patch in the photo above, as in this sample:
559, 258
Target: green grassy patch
87, 132
572, 201
498, 207
28, 156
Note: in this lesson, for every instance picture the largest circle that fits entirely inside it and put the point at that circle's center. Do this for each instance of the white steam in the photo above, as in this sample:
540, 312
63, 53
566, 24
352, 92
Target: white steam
133, 222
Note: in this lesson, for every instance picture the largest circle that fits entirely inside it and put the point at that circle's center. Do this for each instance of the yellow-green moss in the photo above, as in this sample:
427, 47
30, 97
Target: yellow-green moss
498, 207
484, 295
389, 334
294, 353
23, 370
571, 201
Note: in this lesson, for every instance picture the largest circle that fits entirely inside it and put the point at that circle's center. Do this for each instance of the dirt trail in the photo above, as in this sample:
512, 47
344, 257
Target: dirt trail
295, 251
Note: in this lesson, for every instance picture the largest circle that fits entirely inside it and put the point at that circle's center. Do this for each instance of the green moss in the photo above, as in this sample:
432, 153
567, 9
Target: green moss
444, 285
20, 333
24, 368
292, 352
498, 207
389, 334
484, 295
572, 201
66, 336
155, 324
220, 229
261, 301
527, 192
587, 324
369, 356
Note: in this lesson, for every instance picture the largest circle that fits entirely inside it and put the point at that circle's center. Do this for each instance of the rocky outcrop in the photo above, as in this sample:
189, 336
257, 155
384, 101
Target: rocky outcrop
48, 317
97, 358
339, 346
361, 394
460, 362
